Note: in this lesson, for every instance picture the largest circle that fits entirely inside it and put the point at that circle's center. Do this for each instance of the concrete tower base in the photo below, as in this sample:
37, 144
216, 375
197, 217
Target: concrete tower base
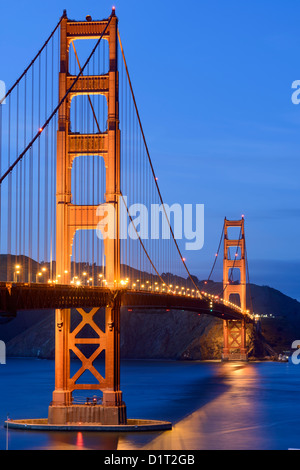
87, 414
133, 425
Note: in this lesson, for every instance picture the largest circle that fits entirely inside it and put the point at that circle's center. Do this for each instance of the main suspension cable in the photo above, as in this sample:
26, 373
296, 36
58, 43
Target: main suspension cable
217, 254
248, 280
34, 59
56, 109
140, 240
151, 166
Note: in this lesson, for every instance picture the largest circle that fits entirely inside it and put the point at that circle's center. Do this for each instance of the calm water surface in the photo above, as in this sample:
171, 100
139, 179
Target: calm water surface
211, 406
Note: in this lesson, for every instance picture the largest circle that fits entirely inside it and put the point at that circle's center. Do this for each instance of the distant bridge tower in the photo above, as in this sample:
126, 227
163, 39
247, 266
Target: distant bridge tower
235, 347
72, 217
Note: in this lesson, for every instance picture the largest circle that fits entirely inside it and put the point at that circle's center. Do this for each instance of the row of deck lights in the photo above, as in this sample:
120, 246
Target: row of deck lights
176, 290
163, 288
226, 302
76, 281
124, 282
138, 285
168, 289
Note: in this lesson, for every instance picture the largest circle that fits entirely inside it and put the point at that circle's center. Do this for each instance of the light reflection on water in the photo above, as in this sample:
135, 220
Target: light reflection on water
211, 406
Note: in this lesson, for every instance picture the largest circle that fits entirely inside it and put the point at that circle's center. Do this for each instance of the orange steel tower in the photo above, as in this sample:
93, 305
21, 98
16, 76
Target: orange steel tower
234, 330
69, 218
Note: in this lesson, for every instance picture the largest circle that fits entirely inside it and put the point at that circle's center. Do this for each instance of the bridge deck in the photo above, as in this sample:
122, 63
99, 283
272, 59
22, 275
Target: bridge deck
16, 297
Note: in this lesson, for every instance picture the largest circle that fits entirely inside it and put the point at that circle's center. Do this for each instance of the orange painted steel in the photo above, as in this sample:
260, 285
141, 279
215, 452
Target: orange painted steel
71, 217
235, 330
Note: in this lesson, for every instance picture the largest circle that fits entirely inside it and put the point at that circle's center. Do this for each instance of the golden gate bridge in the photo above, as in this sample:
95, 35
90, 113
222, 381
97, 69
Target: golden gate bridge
70, 156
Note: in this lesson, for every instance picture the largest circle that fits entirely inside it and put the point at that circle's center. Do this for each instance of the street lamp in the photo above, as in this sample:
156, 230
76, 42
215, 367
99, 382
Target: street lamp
17, 272
40, 274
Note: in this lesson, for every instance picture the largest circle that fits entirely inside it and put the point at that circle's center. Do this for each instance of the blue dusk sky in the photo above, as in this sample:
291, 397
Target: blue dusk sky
213, 82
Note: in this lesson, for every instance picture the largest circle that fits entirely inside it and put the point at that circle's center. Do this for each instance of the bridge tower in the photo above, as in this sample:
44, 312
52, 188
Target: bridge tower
235, 347
70, 218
